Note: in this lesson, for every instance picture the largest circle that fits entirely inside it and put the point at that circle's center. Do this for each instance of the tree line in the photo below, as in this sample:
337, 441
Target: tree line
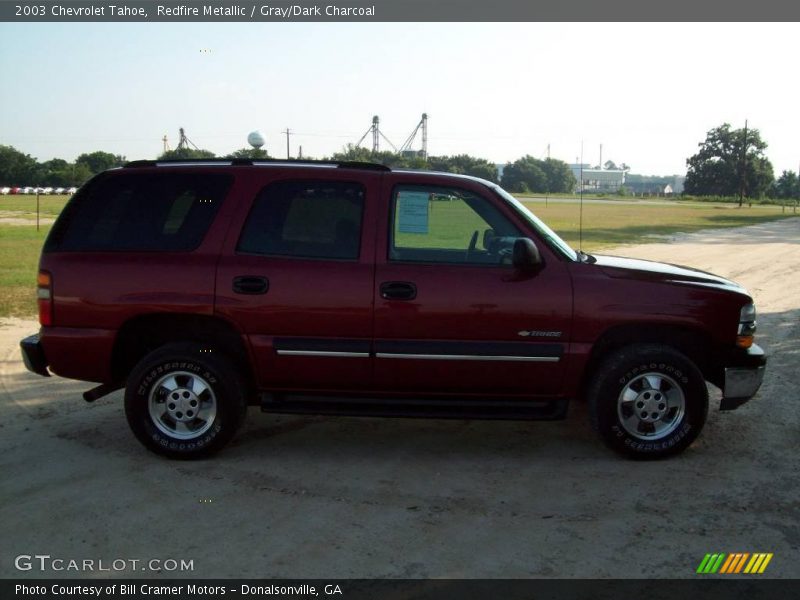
729, 163
526, 174
17, 168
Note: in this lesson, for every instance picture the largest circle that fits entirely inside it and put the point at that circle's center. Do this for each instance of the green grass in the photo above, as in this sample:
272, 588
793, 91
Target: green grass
604, 225
20, 246
25, 206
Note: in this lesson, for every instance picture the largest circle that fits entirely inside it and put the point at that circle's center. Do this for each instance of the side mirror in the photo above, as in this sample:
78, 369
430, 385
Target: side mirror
525, 255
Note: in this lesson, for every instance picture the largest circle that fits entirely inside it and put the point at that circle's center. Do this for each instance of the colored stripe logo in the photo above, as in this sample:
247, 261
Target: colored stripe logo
735, 563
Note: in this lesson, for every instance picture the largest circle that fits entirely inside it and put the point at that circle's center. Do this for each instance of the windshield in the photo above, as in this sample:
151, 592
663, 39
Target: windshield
550, 236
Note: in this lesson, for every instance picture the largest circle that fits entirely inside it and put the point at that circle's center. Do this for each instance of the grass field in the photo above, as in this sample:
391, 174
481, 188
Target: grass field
604, 225
25, 206
20, 246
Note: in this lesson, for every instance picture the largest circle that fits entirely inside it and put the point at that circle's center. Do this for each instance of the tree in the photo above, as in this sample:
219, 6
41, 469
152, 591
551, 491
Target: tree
16, 168
787, 186
559, 176
186, 153
540, 176
252, 153
464, 164
100, 161
729, 161
390, 159
53, 172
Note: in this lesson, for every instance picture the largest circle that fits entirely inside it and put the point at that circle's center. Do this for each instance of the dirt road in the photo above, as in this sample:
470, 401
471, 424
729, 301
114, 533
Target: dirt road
357, 497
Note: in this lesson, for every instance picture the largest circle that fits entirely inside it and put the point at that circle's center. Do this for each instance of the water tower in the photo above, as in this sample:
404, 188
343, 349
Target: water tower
256, 140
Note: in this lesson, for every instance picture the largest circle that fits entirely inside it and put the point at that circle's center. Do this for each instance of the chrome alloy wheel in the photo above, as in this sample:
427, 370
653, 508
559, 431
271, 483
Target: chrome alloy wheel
182, 405
651, 406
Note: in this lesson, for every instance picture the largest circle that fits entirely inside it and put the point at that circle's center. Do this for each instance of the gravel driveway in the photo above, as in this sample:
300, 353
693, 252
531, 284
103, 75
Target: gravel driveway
342, 497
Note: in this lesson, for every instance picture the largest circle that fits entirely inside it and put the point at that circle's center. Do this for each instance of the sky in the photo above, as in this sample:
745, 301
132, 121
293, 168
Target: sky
647, 92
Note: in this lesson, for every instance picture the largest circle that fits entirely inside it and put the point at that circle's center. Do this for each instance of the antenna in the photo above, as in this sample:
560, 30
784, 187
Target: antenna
287, 132
580, 218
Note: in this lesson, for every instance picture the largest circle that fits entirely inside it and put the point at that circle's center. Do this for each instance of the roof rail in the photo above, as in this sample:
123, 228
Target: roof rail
248, 162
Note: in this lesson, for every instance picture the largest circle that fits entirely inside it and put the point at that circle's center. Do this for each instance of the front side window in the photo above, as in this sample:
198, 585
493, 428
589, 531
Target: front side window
308, 219
448, 225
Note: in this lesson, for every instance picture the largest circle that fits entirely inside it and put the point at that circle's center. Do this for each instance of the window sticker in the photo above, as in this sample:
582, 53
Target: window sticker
413, 212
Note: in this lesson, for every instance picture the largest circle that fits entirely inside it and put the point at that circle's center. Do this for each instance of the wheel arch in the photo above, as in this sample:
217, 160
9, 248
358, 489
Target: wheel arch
695, 343
142, 334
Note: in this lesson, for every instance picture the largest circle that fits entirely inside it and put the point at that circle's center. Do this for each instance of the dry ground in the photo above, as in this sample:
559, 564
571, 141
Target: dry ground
359, 497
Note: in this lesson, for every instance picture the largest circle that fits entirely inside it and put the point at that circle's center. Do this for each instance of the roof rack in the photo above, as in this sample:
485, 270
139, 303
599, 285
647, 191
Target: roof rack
248, 162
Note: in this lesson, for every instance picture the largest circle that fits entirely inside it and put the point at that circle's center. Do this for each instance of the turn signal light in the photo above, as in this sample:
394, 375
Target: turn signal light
44, 297
744, 341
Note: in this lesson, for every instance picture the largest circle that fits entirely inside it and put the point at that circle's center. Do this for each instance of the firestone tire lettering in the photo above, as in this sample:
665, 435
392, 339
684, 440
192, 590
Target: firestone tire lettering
218, 371
622, 367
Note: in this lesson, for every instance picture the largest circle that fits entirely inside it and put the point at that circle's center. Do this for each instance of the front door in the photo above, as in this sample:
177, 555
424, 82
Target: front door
451, 312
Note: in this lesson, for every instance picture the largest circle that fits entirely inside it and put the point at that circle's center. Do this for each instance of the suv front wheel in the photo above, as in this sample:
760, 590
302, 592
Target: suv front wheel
184, 401
648, 401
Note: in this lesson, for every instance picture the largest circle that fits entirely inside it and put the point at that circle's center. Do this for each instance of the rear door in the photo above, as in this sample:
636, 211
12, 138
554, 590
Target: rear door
297, 276
451, 312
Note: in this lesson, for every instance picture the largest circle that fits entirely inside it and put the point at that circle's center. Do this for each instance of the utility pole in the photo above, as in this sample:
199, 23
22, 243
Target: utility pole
744, 166
287, 132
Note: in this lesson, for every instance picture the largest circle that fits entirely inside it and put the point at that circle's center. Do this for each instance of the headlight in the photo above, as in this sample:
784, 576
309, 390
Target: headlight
747, 326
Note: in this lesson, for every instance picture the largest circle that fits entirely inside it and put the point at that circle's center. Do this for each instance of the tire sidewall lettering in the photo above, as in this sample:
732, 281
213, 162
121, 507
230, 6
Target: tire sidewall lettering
155, 434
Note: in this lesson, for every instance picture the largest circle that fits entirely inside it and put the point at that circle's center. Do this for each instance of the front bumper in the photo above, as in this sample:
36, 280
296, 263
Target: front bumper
33, 355
744, 372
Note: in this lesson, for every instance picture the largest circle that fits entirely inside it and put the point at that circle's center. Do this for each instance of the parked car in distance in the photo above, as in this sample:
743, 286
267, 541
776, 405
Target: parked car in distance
320, 287
59, 190
71, 190
5, 191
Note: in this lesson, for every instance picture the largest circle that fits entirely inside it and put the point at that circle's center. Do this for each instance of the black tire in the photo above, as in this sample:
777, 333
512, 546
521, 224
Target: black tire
635, 401
200, 408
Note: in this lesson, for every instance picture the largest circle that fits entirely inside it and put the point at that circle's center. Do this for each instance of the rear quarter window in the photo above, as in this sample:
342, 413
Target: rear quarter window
140, 212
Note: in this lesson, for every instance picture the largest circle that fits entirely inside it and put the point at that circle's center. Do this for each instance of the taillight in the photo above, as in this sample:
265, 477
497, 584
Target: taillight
44, 296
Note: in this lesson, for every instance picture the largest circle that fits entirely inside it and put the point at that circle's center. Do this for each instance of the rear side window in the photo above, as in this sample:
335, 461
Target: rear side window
310, 219
133, 212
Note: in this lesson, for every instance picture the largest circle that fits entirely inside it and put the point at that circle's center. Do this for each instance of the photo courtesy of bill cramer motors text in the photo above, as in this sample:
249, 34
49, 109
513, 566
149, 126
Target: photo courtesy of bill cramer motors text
98, 590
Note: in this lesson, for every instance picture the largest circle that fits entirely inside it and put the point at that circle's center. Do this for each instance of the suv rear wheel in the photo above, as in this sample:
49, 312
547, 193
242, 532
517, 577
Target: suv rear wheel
184, 401
648, 401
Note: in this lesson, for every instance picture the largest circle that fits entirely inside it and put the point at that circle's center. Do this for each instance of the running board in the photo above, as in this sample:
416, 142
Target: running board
485, 408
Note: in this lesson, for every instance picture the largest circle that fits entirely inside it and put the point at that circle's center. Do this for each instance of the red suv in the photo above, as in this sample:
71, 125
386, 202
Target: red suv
347, 288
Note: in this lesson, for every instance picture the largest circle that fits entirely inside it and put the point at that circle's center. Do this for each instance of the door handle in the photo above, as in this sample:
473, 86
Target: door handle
248, 284
398, 290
